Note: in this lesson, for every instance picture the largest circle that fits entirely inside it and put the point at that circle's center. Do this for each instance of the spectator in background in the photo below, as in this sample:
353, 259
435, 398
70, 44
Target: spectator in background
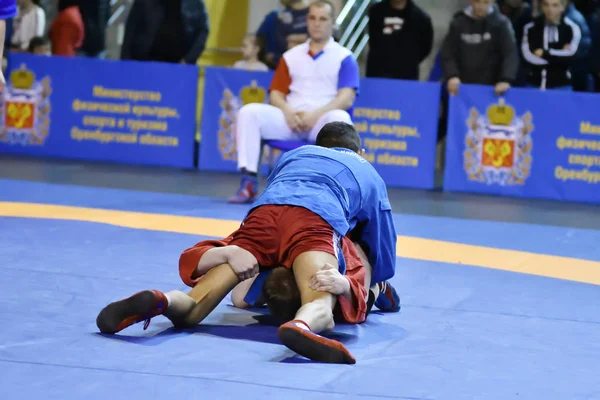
519, 13
480, 48
595, 50
581, 79
29, 23
400, 38
314, 84
253, 53
40, 46
67, 32
166, 31
588, 9
95, 15
8, 29
283, 29
550, 43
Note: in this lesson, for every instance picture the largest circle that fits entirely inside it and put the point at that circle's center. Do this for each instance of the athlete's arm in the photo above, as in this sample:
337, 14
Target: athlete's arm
241, 261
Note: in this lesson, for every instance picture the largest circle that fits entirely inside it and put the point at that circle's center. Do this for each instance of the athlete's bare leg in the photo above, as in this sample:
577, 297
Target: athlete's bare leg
317, 307
315, 315
184, 310
209, 292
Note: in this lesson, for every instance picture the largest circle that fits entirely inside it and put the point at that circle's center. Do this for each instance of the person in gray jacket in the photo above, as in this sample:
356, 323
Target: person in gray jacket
480, 48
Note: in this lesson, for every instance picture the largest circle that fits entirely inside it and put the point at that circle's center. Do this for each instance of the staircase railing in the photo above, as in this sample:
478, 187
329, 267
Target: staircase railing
352, 23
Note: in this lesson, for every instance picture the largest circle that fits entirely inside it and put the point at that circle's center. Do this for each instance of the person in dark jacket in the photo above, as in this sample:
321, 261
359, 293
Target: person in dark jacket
480, 48
519, 14
95, 15
581, 79
166, 30
595, 50
550, 43
400, 38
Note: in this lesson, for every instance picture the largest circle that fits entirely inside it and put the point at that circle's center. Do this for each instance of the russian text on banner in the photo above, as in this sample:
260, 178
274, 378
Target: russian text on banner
126, 112
226, 90
398, 121
530, 143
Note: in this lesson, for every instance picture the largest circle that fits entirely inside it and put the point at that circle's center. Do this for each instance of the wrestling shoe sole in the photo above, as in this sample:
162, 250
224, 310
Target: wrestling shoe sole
315, 347
123, 313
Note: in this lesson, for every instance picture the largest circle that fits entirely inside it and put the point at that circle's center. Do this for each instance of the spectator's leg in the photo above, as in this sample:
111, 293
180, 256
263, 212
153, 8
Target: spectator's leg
443, 116
254, 123
330, 116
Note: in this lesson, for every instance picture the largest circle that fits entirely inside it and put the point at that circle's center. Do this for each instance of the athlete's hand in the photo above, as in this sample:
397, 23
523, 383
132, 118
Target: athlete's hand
243, 263
329, 279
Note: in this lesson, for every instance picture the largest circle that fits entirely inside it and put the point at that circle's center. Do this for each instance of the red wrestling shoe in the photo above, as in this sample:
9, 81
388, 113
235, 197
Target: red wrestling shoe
296, 336
142, 306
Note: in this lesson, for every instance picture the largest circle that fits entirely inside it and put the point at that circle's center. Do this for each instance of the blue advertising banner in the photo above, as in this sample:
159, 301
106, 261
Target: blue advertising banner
397, 121
530, 143
226, 90
126, 112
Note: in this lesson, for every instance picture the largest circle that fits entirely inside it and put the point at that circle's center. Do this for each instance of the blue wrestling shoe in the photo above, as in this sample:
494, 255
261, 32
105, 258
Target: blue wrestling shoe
247, 191
388, 300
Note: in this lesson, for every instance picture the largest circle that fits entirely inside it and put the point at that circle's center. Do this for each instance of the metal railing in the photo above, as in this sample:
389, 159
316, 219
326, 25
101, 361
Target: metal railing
352, 23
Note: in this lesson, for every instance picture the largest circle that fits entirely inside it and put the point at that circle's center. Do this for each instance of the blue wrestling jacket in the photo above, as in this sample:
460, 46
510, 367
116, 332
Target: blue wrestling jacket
345, 190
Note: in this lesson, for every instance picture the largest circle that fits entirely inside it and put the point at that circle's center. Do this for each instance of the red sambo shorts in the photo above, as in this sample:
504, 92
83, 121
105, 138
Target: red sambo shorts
275, 235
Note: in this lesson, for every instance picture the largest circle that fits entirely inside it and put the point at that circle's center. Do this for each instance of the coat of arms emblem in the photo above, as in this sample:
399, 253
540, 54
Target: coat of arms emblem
498, 146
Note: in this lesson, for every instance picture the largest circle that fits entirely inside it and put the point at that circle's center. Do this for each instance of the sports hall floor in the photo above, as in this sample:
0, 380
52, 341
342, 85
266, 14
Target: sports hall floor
500, 297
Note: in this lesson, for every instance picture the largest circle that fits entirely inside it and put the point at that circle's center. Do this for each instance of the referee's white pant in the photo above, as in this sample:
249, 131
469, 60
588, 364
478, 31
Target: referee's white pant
256, 122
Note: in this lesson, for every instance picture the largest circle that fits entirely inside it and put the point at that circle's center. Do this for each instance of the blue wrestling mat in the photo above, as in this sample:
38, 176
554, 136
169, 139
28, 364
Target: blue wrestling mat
464, 332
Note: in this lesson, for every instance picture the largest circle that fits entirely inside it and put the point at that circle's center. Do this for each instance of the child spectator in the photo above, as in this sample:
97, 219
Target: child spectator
253, 53
30, 22
40, 46
550, 43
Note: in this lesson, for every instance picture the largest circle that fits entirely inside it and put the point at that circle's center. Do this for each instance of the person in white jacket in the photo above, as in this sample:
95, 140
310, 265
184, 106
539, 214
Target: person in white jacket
30, 22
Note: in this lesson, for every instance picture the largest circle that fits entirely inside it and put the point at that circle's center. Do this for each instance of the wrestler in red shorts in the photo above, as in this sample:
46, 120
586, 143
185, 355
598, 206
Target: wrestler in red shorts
277, 289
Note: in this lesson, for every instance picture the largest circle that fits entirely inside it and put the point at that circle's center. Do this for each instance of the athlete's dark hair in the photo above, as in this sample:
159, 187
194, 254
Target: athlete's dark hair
339, 134
281, 294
